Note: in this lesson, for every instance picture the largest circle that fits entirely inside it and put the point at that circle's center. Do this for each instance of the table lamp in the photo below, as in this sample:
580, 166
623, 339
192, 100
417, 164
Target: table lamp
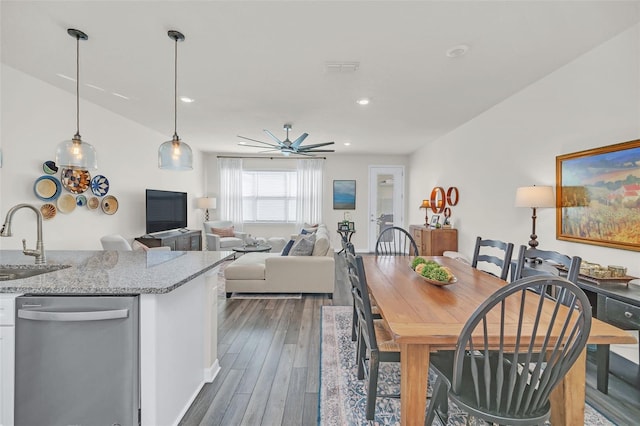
425, 205
206, 203
535, 197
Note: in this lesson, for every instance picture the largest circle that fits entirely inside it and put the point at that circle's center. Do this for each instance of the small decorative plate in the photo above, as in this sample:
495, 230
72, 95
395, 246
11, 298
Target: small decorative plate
66, 203
93, 203
99, 185
48, 211
76, 181
81, 201
47, 188
110, 204
50, 167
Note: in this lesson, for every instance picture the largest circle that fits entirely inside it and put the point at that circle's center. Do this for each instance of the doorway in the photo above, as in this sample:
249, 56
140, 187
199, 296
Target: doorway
386, 200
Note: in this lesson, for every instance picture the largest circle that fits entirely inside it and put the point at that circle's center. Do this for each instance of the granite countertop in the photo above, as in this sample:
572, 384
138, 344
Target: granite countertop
112, 272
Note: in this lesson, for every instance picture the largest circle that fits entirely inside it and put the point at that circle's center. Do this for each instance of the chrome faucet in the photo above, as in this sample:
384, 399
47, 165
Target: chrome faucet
38, 253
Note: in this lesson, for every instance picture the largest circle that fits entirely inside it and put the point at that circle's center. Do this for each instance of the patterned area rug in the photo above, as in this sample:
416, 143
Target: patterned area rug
343, 396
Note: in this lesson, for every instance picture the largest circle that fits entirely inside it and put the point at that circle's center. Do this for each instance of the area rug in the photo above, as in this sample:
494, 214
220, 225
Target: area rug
343, 396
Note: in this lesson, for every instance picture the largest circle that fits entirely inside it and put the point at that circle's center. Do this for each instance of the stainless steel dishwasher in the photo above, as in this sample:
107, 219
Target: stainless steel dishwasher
77, 360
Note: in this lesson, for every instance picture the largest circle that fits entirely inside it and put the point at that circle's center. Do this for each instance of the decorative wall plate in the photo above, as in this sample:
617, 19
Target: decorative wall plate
93, 203
81, 201
110, 204
66, 203
75, 181
50, 167
48, 211
47, 188
99, 185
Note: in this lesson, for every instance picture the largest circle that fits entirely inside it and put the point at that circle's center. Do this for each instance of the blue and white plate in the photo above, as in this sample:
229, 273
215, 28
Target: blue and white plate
81, 200
99, 185
47, 188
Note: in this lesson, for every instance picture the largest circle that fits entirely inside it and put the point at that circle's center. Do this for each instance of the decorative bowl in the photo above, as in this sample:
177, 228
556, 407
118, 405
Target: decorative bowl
439, 283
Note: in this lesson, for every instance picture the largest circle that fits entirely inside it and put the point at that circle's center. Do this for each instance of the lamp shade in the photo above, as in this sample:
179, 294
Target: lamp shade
425, 204
535, 196
206, 203
75, 154
175, 155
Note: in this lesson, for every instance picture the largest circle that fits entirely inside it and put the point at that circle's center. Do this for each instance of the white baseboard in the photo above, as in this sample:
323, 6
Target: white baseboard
211, 372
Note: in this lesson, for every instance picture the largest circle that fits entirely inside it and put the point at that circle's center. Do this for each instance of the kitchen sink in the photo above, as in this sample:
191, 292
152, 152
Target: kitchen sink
16, 272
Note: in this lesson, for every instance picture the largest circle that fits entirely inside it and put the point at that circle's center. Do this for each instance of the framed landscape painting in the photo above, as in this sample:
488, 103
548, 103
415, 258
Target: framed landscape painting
598, 196
344, 194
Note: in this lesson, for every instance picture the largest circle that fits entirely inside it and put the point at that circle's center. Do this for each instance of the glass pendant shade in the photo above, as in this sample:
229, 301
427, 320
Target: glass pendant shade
75, 154
175, 155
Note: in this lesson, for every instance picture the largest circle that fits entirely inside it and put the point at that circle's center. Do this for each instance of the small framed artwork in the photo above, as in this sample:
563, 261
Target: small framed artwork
435, 219
343, 226
352, 226
344, 194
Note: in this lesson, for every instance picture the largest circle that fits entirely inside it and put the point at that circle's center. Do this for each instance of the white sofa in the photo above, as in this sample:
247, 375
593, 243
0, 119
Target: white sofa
216, 242
274, 273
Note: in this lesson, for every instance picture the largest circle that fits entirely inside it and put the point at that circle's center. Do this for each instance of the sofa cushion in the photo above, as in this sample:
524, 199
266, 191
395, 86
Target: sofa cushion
321, 246
287, 248
246, 267
223, 232
303, 246
227, 242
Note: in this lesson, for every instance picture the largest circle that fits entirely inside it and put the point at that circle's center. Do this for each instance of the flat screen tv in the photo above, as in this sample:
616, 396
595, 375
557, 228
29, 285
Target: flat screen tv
165, 210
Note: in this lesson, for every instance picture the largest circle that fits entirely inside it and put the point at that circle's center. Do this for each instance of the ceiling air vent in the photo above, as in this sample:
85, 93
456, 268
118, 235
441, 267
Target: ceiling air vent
342, 67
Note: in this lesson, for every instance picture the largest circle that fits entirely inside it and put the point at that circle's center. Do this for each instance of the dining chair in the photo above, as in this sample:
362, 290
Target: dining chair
534, 257
493, 252
395, 241
485, 377
375, 342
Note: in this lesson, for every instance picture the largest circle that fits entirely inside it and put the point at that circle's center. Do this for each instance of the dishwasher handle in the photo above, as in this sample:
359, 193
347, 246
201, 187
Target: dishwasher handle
72, 316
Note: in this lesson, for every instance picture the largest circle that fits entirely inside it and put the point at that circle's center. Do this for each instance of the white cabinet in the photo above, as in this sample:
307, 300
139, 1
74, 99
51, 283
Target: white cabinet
7, 349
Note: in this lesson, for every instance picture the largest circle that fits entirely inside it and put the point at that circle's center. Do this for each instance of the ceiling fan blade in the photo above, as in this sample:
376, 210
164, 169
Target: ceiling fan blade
280, 143
298, 141
317, 150
317, 145
274, 148
255, 140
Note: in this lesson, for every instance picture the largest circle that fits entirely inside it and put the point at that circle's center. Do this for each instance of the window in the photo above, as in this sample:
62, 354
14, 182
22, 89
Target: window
269, 196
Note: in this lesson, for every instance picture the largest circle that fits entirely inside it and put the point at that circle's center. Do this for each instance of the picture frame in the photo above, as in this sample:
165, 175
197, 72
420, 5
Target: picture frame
598, 196
344, 194
352, 226
343, 226
435, 219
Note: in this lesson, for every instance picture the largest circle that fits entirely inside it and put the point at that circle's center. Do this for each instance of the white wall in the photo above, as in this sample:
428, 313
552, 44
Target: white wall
35, 118
336, 167
591, 102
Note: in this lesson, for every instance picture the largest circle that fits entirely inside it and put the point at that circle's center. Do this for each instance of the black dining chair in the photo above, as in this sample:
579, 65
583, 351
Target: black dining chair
395, 241
533, 261
493, 252
375, 343
487, 379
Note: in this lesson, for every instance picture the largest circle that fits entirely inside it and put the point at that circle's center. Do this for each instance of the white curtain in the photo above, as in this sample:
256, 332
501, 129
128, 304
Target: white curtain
231, 190
309, 196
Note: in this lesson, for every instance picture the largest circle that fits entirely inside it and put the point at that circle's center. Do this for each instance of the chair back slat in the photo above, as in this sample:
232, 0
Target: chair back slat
520, 387
502, 260
395, 241
526, 254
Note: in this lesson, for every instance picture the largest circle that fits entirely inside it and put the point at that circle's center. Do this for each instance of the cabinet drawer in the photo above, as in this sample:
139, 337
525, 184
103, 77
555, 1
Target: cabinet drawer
623, 314
7, 309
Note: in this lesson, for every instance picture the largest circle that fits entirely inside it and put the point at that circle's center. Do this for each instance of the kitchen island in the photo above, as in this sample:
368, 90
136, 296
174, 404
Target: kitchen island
177, 314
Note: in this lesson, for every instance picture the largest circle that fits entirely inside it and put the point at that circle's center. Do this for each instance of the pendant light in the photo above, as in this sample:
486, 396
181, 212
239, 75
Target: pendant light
175, 154
75, 154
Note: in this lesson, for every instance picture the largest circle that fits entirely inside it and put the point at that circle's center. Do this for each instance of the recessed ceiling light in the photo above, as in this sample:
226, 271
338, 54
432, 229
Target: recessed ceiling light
242, 143
186, 99
363, 101
120, 96
457, 51
94, 87
347, 143
66, 77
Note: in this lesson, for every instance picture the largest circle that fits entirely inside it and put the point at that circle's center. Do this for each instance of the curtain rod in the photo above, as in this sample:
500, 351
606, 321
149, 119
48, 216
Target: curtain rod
272, 158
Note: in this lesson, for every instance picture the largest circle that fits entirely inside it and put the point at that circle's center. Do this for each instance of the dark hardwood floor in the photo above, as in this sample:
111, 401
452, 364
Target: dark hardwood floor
269, 353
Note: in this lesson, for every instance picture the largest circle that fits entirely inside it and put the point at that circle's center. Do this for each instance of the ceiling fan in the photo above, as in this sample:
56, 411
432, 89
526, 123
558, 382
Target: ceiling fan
286, 147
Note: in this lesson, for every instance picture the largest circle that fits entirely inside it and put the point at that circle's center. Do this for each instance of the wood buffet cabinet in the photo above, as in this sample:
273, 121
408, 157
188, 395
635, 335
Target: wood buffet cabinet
434, 242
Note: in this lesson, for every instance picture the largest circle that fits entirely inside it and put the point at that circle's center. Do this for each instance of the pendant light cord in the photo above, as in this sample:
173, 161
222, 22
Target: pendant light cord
175, 92
78, 87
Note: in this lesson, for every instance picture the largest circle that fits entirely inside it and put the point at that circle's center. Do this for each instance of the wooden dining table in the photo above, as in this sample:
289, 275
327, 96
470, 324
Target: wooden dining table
423, 317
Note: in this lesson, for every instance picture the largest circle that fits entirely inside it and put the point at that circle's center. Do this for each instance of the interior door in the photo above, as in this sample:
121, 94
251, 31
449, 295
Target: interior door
386, 200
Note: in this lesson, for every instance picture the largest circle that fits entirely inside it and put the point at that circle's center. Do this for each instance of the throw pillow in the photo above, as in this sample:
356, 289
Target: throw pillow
321, 246
308, 226
223, 232
287, 248
303, 245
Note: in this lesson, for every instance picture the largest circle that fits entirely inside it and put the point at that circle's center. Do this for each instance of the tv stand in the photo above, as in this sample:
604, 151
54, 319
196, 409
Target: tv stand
178, 239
